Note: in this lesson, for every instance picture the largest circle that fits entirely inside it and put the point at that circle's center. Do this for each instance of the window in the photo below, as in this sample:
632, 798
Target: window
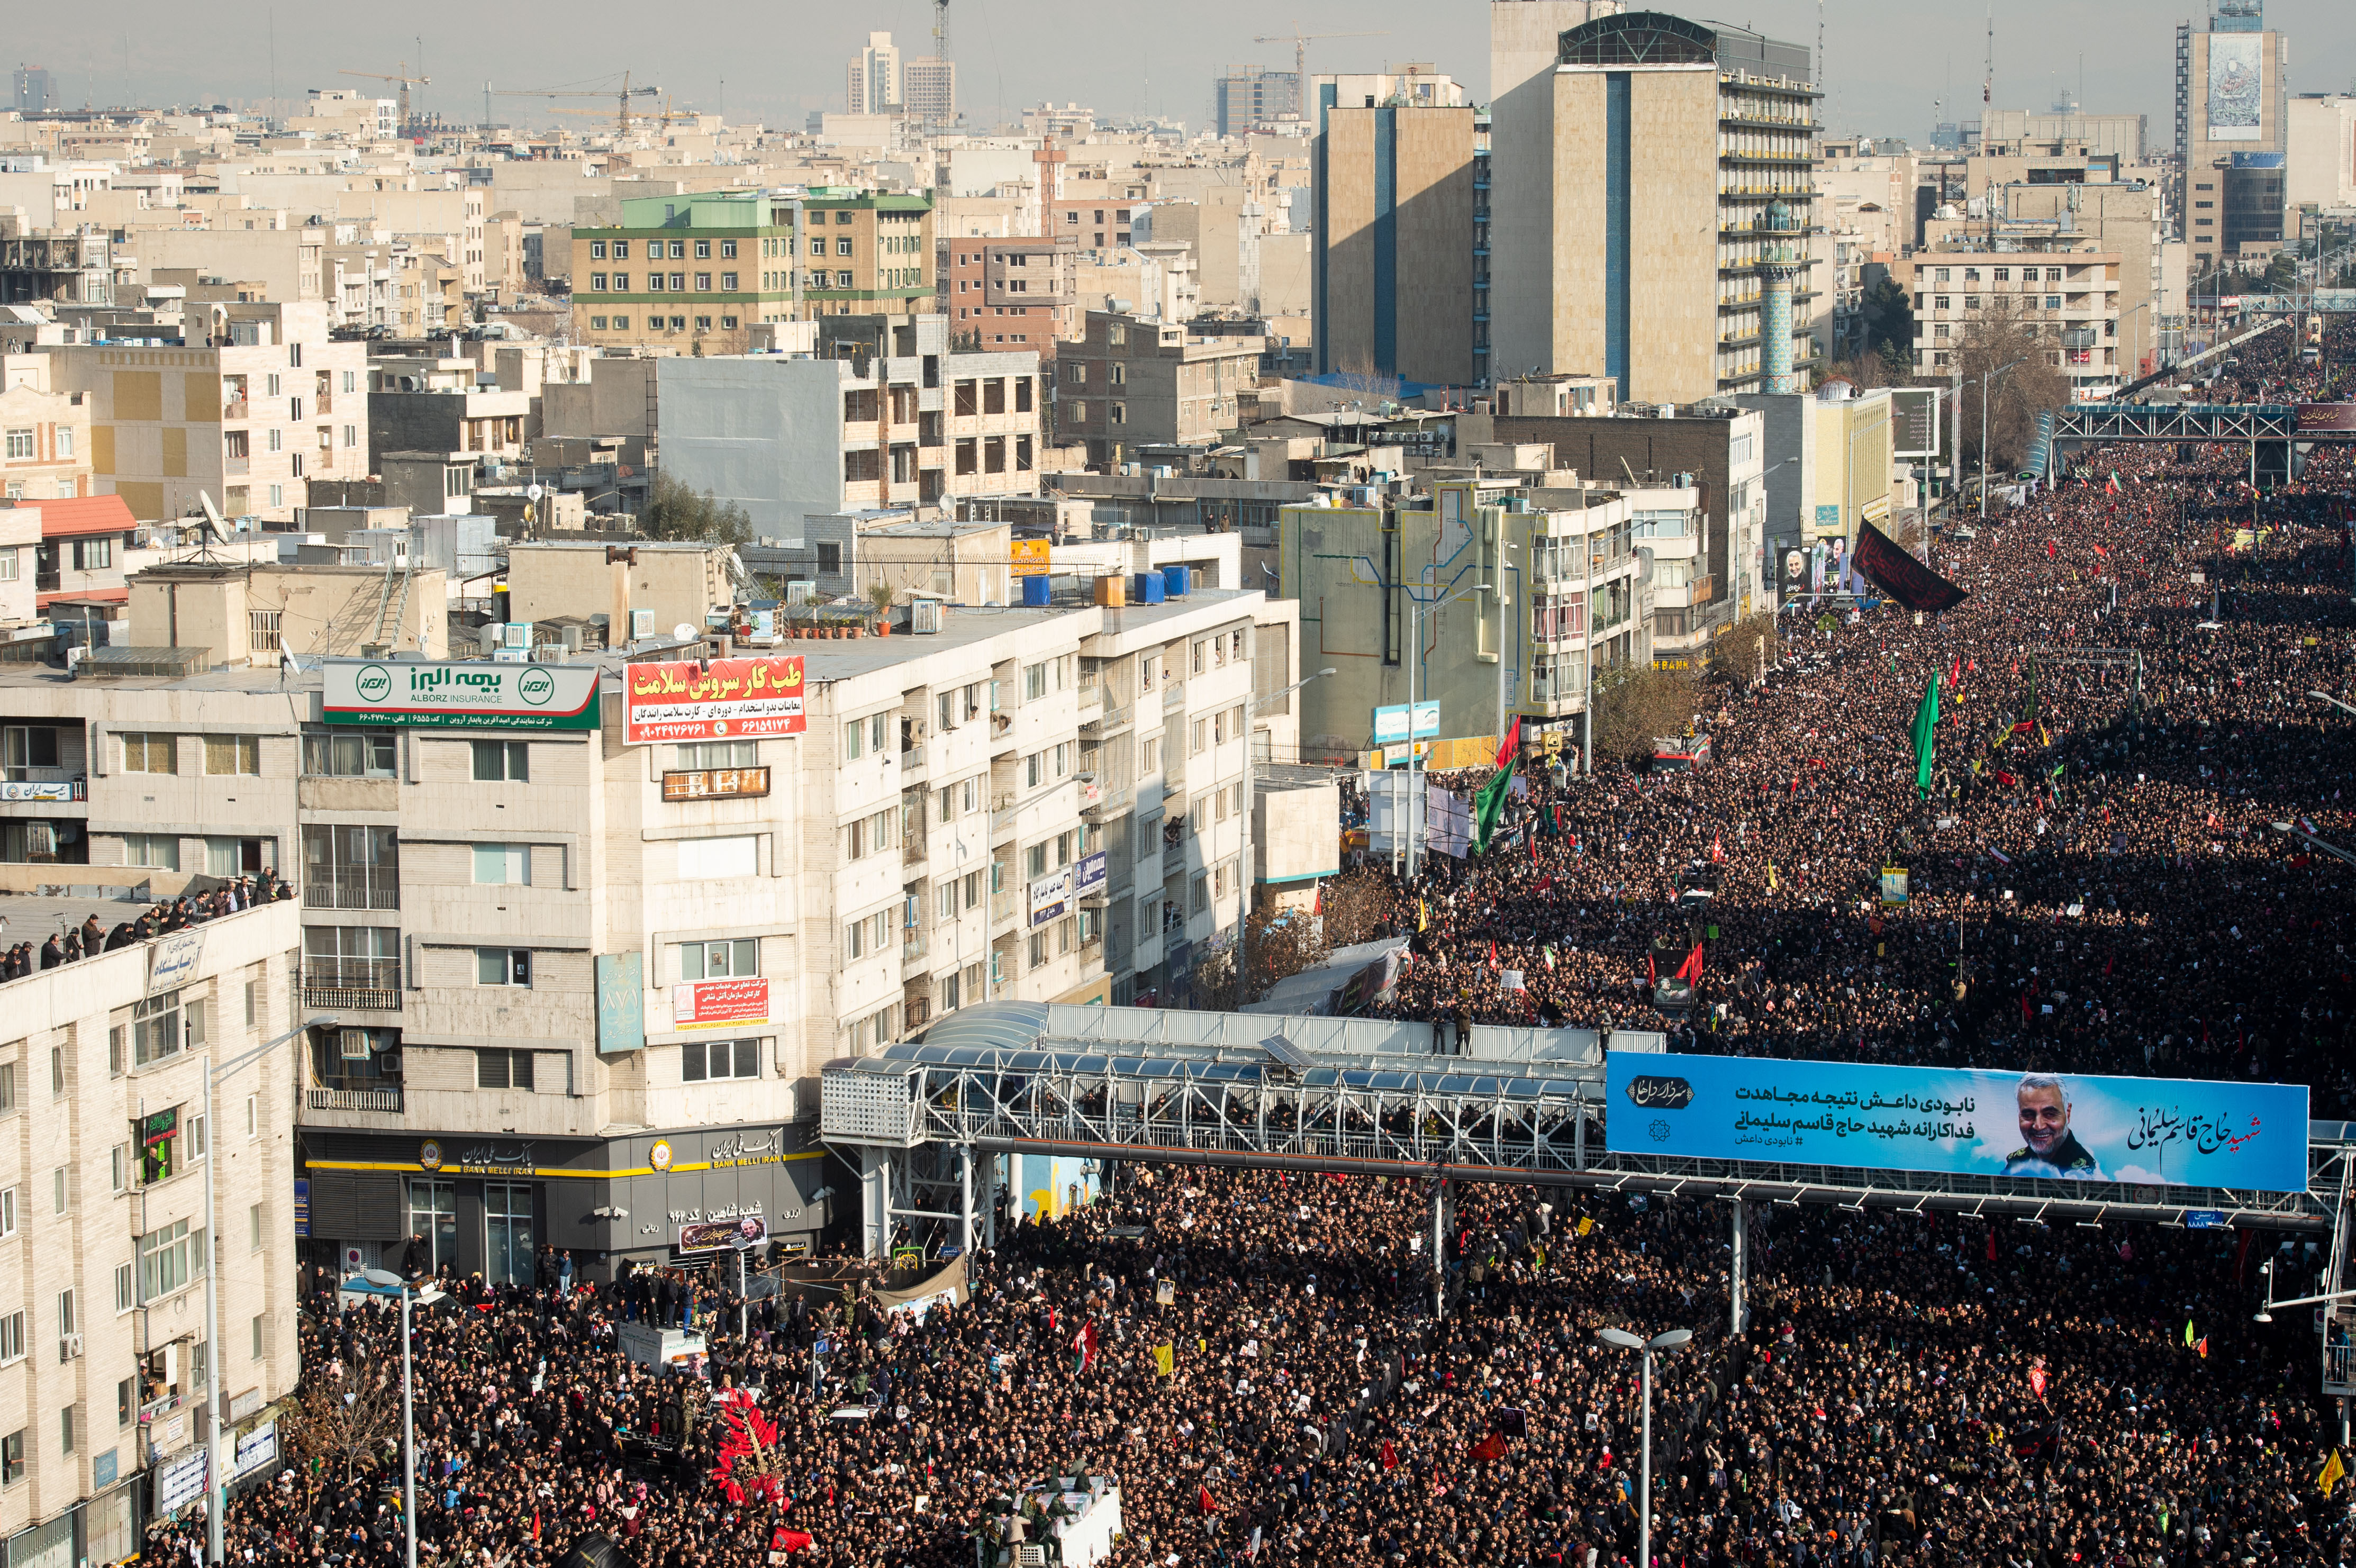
1202, 736
68, 1321
503, 966
126, 1296
1034, 769
349, 753
259, 1320
702, 250
503, 864
597, 249
149, 753
12, 1338
65, 440
20, 443
59, 1192
253, 1112
596, 324
703, 1061
12, 1447
502, 761
168, 1260
1035, 859
502, 1068
719, 754
734, 958
728, 251
1035, 681
160, 851
596, 283
236, 754
869, 935
1038, 948
842, 246
118, 1168
703, 282
8, 1211
727, 281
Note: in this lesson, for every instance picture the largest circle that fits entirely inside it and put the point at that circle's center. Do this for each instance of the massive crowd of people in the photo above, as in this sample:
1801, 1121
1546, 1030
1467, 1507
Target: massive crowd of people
1276, 1367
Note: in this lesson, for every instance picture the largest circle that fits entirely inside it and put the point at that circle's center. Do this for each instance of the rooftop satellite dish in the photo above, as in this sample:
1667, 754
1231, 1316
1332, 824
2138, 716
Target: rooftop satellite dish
683, 632
214, 526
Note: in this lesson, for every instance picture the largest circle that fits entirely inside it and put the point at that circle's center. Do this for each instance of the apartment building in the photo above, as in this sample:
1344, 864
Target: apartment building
113, 1381
44, 434
267, 403
69, 266
1525, 591
1130, 383
2065, 289
697, 272
886, 416
1395, 249
1013, 294
1661, 130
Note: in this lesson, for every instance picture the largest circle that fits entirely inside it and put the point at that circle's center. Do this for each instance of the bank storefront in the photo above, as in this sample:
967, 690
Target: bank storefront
488, 1205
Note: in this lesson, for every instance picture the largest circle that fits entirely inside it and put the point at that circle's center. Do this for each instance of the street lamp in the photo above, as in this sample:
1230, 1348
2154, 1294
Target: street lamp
1674, 1339
1243, 915
385, 1279
2294, 830
1985, 378
216, 1484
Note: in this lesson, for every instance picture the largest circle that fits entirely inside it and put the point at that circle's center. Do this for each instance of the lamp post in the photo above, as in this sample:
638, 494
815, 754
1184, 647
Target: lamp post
388, 1280
217, 1408
1243, 915
1986, 377
1647, 1348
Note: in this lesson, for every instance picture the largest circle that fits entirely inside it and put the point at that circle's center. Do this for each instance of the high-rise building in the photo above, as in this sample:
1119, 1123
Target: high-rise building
1248, 96
36, 90
930, 86
1525, 35
874, 77
1392, 256
1663, 134
2233, 177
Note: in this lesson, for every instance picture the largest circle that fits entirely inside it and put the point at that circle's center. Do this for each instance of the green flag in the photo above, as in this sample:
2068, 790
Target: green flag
1489, 804
1926, 722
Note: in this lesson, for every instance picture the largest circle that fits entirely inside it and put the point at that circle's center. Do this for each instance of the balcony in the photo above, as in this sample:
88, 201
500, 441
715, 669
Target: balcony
351, 888
912, 945
346, 984
383, 1100
1174, 696
1001, 906
912, 848
235, 408
1109, 720
237, 467
1174, 858
1107, 803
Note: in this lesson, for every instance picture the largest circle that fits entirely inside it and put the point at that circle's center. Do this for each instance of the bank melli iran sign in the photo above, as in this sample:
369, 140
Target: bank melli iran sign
427, 694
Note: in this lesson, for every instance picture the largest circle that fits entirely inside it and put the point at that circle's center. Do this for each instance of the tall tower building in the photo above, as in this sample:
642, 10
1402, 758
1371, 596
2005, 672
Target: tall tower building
2234, 177
930, 85
1670, 142
36, 90
1247, 96
874, 77
1392, 257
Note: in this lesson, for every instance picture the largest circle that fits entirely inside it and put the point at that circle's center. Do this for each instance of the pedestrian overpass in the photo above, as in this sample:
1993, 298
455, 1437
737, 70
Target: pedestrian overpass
1372, 1098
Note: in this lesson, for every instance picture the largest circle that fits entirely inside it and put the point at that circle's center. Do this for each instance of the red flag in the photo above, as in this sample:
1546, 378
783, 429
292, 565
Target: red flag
1991, 1246
1490, 1447
2203, 1347
1691, 970
1083, 1346
2037, 1381
1203, 1497
2049, 550
1492, 952
1390, 1456
1717, 848
1511, 746
1651, 973
791, 1540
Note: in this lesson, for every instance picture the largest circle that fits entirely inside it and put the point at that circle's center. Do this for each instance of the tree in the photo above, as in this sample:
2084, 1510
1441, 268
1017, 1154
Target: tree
674, 511
1284, 943
2001, 336
353, 1421
1743, 654
1889, 312
1359, 375
1633, 704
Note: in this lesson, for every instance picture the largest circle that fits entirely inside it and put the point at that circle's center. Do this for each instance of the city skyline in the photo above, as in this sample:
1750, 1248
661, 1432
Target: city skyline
1014, 53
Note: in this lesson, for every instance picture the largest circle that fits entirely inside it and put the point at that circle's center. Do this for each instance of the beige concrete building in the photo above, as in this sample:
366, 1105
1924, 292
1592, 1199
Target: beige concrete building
1132, 382
1395, 247
241, 616
258, 403
666, 585
1672, 144
44, 434
2071, 292
105, 1241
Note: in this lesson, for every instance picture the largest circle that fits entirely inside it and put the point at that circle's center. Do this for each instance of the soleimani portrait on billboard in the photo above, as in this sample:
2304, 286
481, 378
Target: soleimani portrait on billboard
2063, 1127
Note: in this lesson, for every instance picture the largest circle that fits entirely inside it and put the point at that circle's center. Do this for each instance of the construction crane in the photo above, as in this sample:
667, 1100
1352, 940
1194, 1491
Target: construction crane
403, 78
621, 96
1301, 42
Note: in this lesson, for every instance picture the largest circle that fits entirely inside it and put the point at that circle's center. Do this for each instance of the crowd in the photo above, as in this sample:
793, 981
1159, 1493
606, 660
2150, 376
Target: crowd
1278, 1369
93, 936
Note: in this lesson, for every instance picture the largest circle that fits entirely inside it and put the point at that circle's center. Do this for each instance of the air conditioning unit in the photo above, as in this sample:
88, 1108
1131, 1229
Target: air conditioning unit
355, 1045
389, 1064
69, 1348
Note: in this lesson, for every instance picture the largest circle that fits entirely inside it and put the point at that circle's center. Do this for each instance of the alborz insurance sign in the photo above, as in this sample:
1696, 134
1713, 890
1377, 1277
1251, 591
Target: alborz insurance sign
461, 695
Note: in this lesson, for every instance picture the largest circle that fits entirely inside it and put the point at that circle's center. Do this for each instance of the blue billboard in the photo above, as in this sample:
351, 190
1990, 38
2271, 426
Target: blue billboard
1962, 1121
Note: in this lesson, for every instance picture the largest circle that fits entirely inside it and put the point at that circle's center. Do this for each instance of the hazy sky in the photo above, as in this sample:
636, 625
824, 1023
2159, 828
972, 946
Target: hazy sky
1888, 61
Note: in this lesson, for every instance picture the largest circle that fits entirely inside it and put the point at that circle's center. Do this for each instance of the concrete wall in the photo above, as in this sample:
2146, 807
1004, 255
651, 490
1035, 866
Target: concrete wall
763, 433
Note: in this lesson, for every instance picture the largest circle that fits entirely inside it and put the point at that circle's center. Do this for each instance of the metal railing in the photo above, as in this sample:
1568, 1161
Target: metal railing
1106, 721
1174, 696
363, 982
351, 888
383, 1099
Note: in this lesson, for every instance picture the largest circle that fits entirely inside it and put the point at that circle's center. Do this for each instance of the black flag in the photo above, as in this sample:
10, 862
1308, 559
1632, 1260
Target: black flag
1901, 577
